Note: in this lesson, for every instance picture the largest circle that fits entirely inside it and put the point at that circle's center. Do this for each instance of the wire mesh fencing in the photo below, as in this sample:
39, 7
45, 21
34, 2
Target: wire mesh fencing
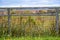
27, 22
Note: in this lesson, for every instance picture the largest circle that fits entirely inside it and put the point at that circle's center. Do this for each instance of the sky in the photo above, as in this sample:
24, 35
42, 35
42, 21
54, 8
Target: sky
28, 3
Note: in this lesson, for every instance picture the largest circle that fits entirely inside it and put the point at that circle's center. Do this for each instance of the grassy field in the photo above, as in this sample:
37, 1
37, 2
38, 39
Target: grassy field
31, 38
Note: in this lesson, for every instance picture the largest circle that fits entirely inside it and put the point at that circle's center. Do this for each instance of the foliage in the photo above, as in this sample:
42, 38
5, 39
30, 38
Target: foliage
28, 25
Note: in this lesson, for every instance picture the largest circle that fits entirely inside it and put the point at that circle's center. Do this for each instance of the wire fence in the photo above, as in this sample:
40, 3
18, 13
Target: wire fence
16, 24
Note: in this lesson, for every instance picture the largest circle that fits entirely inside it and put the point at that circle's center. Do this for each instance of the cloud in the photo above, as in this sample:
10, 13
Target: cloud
30, 2
31, 5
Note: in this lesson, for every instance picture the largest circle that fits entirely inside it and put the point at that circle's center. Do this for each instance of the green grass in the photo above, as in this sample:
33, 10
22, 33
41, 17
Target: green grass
1, 38
31, 38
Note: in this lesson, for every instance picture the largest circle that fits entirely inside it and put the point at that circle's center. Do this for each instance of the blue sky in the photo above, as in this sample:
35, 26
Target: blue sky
23, 3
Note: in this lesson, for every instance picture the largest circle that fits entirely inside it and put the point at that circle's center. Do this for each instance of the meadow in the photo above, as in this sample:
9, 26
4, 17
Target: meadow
30, 38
